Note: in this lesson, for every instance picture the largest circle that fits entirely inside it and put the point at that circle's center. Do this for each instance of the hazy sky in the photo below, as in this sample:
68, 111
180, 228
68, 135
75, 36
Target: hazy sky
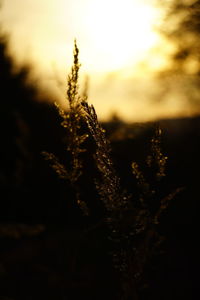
114, 37
111, 33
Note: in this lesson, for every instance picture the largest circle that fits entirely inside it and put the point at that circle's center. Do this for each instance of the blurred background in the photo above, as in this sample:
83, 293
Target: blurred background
141, 62
140, 56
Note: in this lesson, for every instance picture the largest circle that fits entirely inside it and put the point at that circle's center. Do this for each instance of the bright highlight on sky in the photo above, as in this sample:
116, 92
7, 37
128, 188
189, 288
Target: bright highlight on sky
112, 35
118, 32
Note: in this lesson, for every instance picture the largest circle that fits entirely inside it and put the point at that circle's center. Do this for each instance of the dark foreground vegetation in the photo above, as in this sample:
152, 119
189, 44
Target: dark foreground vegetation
49, 247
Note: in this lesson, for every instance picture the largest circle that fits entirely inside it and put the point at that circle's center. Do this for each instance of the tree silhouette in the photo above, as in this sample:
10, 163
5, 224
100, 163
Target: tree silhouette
24, 134
181, 78
14, 129
182, 27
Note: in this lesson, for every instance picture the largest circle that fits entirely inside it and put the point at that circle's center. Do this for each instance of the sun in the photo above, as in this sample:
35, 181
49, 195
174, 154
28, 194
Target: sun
111, 34
117, 33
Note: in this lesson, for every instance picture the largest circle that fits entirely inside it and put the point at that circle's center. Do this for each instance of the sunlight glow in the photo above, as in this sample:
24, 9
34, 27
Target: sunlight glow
117, 33
115, 38
112, 34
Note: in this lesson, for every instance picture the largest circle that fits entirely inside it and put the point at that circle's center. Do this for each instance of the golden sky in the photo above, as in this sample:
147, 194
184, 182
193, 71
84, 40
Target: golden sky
115, 38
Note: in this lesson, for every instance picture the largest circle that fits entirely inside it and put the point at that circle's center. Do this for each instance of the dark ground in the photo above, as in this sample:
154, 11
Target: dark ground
46, 252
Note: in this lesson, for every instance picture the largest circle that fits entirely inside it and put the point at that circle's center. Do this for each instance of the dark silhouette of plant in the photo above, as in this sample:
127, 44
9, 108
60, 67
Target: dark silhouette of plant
131, 220
71, 121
